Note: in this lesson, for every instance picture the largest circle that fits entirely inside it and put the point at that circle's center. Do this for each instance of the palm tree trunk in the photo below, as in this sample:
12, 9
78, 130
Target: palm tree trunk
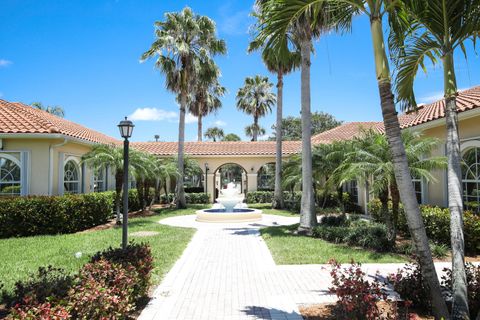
118, 192
199, 128
395, 208
255, 128
278, 194
402, 171
308, 218
181, 204
455, 203
387, 217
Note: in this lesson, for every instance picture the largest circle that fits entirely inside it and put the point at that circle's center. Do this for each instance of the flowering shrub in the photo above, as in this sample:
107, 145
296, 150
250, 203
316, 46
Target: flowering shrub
30, 310
408, 283
473, 286
357, 298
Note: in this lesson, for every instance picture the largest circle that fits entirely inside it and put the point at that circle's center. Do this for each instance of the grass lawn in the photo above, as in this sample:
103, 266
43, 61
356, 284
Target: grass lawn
267, 209
288, 248
22, 256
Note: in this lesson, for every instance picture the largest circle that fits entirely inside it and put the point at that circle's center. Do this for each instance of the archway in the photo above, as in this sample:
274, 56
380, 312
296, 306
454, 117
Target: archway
266, 177
227, 173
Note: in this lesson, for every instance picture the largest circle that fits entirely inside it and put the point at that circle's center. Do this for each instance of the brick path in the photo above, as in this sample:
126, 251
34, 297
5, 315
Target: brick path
227, 272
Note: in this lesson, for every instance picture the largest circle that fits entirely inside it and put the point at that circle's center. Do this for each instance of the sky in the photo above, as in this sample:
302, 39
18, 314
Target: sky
84, 55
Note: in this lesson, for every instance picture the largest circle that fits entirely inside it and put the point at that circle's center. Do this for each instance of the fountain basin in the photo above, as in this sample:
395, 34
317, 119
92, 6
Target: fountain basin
236, 215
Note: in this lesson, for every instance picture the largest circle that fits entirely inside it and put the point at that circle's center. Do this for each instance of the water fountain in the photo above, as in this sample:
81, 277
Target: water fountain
229, 207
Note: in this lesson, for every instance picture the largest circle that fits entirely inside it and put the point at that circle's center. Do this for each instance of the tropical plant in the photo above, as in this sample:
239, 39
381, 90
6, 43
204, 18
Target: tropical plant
280, 61
256, 99
214, 133
231, 137
253, 131
55, 110
183, 41
434, 30
292, 126
206, 93
283, 14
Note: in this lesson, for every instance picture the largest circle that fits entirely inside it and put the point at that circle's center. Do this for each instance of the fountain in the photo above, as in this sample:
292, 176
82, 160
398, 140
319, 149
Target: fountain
229, 208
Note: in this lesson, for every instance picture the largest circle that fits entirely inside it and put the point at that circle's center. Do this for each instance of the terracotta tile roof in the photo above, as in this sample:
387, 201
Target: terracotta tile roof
230, 148
345, 131
17, 117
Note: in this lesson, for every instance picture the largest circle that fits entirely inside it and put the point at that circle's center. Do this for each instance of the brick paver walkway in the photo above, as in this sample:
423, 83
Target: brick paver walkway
227, 272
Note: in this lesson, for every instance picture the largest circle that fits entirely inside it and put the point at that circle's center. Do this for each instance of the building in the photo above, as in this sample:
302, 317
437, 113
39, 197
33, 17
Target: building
40, 154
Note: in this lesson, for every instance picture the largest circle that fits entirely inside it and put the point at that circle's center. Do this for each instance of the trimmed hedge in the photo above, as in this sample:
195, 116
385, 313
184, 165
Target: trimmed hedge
190, 198
437, 224
36, 215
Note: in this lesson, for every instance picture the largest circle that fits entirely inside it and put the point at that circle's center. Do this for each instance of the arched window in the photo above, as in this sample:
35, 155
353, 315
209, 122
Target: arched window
71, 177
471, 179
99, 180
266, 177
10, 182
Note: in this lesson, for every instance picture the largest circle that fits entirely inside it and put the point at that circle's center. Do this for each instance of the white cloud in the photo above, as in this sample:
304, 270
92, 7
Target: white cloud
5, 63
219, 123
189, 118
152, 114
233, 22
263, 137
431, 97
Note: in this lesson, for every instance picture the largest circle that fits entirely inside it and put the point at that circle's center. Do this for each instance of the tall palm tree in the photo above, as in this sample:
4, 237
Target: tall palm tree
206, 94
255, 98
254, 130
55, 110
434, 30
280, 61
214, 133
183, 41
287, 13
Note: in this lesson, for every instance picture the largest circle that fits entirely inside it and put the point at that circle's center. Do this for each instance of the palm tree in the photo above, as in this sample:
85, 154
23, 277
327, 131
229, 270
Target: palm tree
231, 137
207, 93
254, 130
285, 14
183, 41
434, 30
214, 133
255, 98
55, 110
280, 61
103, 156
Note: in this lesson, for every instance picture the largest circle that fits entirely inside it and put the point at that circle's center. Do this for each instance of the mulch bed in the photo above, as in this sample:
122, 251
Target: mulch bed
328, 311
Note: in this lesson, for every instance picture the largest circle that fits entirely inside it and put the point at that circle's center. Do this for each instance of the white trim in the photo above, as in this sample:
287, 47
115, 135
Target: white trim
470, 144
50, 136
50, 165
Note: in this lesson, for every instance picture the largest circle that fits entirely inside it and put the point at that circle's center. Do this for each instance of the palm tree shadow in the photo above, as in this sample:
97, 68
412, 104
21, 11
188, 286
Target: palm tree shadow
264, 313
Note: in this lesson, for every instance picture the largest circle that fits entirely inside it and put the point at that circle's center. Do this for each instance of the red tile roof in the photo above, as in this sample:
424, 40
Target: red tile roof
228, 148
345, 131
17, 117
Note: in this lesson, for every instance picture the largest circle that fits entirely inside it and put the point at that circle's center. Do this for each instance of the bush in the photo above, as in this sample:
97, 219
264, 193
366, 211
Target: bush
259, 197
35, 215
52, 283
357, 298
197, 198
473, 286
38, 311
331, 234
333, 220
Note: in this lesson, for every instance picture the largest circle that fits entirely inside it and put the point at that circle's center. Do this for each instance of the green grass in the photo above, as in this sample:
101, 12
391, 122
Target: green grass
267, 209
22, 256
288, 248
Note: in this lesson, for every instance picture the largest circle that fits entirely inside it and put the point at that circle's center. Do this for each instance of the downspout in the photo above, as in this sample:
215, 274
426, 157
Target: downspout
50, 164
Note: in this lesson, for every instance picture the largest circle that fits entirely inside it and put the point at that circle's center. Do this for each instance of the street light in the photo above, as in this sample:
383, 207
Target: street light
126, 129
206, 177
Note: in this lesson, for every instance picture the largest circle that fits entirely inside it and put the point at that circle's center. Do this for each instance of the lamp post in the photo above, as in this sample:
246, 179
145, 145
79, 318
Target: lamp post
126, 129
206, 177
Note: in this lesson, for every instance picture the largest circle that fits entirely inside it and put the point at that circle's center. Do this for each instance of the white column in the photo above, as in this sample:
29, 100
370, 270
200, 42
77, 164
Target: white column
252, 181
210, 186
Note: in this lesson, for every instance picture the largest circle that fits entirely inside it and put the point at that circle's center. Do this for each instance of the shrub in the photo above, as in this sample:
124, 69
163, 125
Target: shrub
331, 234
473, 286
103, 291
52, 283
370, 235
408, 283
439, 251
259, 197
137, 255
27, 216
197, 198
357, 298
38, 311
333, 220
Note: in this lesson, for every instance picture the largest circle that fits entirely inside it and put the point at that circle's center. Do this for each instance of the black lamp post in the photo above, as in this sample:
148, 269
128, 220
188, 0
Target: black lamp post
206, 177
126, 129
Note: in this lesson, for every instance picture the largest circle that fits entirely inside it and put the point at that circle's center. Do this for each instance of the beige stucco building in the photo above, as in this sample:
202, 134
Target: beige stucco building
40, 154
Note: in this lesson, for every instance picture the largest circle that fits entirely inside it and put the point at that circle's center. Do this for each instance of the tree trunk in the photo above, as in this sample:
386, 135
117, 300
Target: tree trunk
402, 171
118, 193
387, 217
308, 218
278, 194
255, 128
395, 207
199, 128
181, 204
455, 201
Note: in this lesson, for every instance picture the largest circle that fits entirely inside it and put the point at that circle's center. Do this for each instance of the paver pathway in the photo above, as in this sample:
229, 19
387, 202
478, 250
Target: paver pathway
227, 272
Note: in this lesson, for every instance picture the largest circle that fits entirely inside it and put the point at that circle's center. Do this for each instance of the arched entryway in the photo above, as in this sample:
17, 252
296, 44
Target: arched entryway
266, 177
230, 173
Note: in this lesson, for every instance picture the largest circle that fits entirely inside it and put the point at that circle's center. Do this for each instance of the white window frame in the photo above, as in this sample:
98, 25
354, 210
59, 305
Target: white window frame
23, 161
103, 179
79, 180
467, 147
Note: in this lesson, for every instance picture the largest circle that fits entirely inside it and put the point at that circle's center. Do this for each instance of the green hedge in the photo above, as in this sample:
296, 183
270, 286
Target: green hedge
437, 224
28, 216
190, 198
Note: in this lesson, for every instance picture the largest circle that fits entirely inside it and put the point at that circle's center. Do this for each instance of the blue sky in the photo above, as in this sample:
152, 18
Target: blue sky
84, 55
